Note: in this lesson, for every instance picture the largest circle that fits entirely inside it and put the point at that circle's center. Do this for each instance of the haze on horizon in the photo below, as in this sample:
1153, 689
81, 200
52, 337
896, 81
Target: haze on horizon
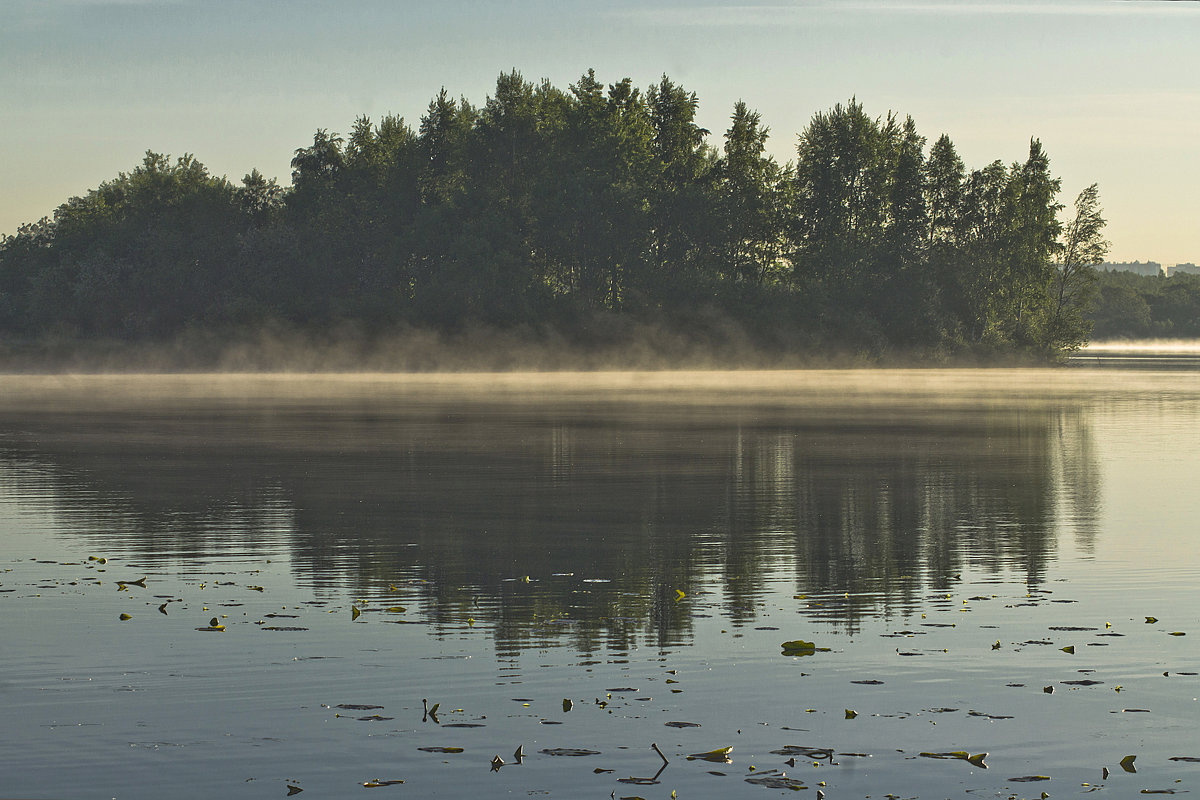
1107, 85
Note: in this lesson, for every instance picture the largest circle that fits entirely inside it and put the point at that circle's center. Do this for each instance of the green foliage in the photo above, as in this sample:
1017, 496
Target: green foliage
551, 207
1130, 306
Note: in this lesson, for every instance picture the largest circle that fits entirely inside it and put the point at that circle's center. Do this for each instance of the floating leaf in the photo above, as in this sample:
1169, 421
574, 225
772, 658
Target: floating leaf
721, 754
293, 790
569, 751
807, 752
1029, 779
125, 617
375, 784
988, 716
354, 613
1068, 649
437, 749
568, 704
851, 714
679, 595
1151, 620
397, 610
778, 782
682, 724
961, 755
799, 647
1127, 764
1176, 633
261, 589
497, 763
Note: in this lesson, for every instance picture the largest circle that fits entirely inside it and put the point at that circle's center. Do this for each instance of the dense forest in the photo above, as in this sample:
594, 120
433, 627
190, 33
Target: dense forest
1130, 306
579, 214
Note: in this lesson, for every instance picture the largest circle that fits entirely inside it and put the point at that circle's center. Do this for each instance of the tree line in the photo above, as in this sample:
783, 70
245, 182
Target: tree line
1130, 306
546, 208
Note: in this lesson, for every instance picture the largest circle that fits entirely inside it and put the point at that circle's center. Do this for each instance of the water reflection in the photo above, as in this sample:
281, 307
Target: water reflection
560, 519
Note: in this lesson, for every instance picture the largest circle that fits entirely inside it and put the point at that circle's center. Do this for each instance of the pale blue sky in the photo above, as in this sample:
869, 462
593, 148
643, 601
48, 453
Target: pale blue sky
1109, 86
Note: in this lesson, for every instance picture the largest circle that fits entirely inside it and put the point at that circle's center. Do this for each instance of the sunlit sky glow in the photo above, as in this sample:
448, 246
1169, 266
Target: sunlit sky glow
1109, 86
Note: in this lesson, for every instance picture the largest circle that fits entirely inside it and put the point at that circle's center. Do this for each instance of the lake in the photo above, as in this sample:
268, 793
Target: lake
861, 581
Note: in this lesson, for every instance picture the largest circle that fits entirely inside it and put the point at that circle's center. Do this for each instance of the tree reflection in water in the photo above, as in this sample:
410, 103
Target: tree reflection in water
608, 508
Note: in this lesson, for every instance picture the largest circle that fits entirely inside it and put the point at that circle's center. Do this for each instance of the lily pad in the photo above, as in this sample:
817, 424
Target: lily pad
720, 755
961, 755
778, 782
807, 752
799, 647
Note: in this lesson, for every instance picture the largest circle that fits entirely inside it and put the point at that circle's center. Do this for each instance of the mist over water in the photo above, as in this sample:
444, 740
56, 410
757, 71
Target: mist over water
1150, 346
645, 540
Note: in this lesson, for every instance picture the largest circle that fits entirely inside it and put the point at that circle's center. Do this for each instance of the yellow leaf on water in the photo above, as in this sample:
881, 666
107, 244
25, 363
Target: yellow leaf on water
720, 754
1127, 764
851, 714
354, 613
1151, 620
125, 617
679, 595
397, 609
1068, 649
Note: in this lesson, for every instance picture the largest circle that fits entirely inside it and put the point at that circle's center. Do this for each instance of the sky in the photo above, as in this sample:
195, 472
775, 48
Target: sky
1110, 87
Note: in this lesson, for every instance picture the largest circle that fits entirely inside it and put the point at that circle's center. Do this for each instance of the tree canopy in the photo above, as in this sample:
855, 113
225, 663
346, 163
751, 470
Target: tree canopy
552, 208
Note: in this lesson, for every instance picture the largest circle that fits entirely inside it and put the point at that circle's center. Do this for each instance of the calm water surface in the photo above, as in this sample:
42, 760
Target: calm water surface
998, 562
